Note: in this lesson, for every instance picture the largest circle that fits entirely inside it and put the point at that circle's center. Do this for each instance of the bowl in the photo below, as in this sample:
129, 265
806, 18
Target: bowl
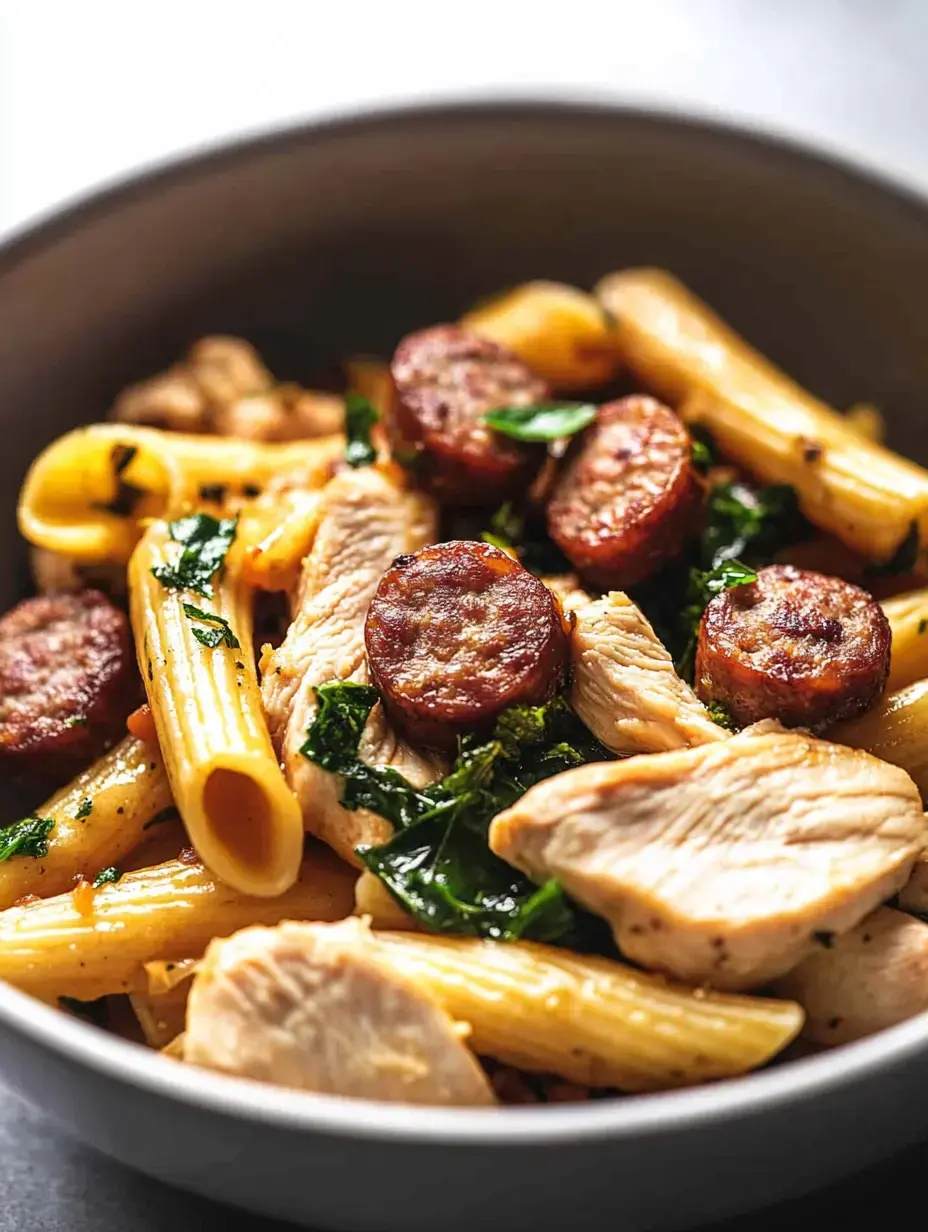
342, 236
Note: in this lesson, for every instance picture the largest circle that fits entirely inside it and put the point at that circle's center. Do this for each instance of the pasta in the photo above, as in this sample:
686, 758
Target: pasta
435, 592
99, 818
96, 944
241, 817
67, 501
865, 495
590, 1020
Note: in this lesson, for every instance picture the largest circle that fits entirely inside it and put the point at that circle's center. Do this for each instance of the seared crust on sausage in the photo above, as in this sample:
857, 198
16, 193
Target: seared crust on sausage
455, 634
797, 646
66, 682
445, 378
629, 497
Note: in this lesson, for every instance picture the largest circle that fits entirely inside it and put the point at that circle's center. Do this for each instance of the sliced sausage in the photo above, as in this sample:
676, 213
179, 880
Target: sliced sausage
455, 634
445, 378
629, 496
796, 646
66, 681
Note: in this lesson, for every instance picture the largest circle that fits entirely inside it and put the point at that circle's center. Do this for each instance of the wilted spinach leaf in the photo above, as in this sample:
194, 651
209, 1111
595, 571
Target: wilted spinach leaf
360, 417
550, 421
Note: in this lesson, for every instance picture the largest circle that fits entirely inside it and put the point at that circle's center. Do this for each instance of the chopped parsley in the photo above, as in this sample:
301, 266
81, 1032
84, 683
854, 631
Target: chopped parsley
438, 864
125, 495
84, 809
548, 421
703, 453
219, 635
360, 417
28, 837
206, 541
107, 876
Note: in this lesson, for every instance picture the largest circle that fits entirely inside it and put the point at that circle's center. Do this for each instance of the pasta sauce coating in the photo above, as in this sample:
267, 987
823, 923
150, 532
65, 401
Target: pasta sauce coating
456, 633
66, 681
445, 378
629, 496
797, 646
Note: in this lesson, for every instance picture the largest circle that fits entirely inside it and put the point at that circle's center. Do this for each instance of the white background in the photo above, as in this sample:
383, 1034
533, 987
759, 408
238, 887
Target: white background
90, 90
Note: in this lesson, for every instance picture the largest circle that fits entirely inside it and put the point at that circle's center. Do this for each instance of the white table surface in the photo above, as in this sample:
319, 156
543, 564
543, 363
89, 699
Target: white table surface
92, 91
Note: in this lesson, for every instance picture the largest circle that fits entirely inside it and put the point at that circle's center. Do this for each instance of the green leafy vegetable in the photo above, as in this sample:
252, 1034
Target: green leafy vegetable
750, 523
549, 421
220, 635
84, 809
514, 530
903, 560
106, 876
206, 541
704, 455
722, 715
438, 864
126, 495
28, 837
360, 417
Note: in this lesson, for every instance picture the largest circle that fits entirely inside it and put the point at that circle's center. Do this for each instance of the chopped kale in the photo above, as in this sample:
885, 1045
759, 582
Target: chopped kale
550, 421
205, 540
220, 635
28, 837
360, 417
526, 535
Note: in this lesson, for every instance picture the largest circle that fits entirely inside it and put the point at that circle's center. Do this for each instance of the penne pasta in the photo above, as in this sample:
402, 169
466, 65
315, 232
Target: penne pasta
90, 945
895, 730
161, 1008
99, 818
908, 618
590, 1020
70, 500
241, 816
373, 900
275, 560
562, 333
867, 496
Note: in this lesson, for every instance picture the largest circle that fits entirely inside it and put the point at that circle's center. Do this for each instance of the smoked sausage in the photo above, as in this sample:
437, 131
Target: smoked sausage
445, 379
797, 646
629, 496
456, 633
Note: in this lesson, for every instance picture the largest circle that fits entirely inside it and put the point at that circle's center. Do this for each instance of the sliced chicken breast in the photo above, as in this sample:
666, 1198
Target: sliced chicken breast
366, 521
313, 1008
914, 894
873, 977
624, 685
722, 863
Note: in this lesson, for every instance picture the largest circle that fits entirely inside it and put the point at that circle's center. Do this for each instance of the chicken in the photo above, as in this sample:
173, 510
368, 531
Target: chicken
914, 894
873, 977
221, 386
722, 863
623, 683
313, 1007
366, 521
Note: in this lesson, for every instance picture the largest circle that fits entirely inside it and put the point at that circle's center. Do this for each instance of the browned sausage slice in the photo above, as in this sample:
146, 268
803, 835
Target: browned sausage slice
445, 378
66, 681
455, 634
795, 646
629, 496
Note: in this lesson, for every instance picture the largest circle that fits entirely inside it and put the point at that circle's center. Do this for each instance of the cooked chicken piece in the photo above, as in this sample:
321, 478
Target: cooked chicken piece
873, 977
366, 521
313, 1007
223, 387
624, 685
722, 863
567, 590
914, 894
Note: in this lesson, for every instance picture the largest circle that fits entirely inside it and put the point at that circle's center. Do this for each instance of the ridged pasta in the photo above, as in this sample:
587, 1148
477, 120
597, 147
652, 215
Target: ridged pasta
895, 730
908, 617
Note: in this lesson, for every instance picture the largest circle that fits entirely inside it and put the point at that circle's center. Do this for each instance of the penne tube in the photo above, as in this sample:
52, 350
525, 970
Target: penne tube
241, 816
867, 496
908, 618
161, 1008
562, 333
895, 730
275, 560
374, 901
99, 818
96, 944
590, 1020
70, 500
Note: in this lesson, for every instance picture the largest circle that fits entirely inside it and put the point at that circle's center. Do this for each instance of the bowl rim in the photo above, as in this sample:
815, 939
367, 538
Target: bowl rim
692, 1109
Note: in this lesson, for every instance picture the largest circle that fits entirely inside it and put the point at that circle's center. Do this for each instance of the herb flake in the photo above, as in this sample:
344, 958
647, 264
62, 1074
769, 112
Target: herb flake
546, 421
107, 876
84, 809
206, 541
220, 634
360, 417
28, 837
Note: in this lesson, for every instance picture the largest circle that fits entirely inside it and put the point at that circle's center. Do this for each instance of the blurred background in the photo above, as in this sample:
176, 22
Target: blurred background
90, 90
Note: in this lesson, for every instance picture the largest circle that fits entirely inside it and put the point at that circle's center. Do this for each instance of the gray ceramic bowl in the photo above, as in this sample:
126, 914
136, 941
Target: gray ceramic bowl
343, 236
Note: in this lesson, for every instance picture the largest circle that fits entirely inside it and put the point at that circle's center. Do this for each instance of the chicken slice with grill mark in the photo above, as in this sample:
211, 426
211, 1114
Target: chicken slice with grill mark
721, 863
312, 1007
366, 521
624, 685
873, 977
